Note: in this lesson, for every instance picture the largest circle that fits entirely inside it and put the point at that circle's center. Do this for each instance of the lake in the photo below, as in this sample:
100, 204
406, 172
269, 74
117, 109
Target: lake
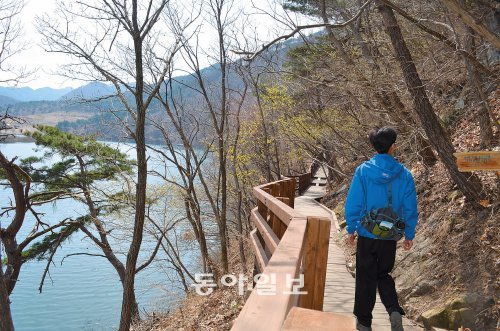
84, 292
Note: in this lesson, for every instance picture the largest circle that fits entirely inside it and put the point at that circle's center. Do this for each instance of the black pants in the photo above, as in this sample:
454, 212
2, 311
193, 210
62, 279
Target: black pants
374, 261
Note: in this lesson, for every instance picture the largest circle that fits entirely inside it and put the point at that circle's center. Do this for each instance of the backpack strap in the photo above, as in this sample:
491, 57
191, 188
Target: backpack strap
389, 193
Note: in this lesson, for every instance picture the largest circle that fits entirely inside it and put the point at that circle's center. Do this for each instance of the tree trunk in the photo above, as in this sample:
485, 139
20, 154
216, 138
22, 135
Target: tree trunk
5, 315
221, 131
130, 310
486, 132
265, 138
437, 135
193, 216
472, 22
223, 211
390, 99
14, 262
239, 222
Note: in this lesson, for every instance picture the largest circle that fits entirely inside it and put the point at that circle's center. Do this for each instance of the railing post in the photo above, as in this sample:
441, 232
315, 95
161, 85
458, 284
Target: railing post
282, 227
261, 207
275, 222
314, 262
291, 192
263, 211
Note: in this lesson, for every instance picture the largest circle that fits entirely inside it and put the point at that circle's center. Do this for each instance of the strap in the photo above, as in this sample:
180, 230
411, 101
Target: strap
389, 193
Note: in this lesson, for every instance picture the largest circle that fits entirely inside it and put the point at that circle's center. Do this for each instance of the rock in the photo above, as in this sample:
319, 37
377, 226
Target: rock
460, 104
455, 314
437, 317
454, 195
461, 317
406, 292
422, 289
467, 317
458, 303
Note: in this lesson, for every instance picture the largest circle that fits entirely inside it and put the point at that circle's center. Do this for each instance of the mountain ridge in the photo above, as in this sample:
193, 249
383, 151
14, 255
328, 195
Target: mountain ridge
26, 94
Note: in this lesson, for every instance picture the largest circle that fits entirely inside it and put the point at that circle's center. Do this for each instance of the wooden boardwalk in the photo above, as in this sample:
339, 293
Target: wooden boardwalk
339, 287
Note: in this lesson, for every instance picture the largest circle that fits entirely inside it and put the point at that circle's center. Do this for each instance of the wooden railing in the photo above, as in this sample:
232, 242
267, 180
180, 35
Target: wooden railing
287, 245
303, 181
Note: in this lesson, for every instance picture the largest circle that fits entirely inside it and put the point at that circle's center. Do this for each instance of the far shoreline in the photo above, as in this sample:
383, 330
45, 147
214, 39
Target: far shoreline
17, 138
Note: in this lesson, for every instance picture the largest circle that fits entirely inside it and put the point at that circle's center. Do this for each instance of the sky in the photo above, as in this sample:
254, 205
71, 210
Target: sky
47, 64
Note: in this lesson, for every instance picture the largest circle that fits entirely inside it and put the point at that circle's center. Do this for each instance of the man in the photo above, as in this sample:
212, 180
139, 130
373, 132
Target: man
380, 182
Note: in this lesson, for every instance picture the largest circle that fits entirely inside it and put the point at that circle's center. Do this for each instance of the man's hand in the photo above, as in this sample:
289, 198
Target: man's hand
407, 244
350, 240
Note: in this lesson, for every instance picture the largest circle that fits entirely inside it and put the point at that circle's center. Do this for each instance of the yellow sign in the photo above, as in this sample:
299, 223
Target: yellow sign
472, 161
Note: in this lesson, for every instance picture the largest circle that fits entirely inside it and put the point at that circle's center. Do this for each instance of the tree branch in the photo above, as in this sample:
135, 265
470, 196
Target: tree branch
440, 37
252, 55
88, 254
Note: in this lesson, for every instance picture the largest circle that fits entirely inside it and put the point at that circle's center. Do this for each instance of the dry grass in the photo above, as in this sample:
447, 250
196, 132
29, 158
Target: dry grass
55, 117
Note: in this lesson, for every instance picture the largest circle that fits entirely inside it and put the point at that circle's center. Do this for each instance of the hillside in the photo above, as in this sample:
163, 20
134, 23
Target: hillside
86, 110
449, 278
6, 101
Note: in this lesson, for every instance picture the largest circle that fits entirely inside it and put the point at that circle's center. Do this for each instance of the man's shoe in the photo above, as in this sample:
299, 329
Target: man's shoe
396, 321
361, 327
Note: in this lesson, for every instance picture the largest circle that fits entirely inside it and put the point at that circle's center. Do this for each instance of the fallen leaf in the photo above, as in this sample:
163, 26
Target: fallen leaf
484, 203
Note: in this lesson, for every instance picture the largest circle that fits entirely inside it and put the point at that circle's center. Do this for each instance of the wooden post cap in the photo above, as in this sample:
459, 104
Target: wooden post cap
301, 319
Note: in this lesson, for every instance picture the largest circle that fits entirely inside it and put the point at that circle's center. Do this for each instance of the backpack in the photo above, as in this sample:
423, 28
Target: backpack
384, 222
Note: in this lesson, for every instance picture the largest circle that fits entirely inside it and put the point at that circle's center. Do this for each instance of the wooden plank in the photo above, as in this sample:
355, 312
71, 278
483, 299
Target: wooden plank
282, 211
270, 184
282, 226
291, 192
309, 262
314, 264
268, 312
275, 222
262, 209
260, 254
281, 189
474, 161
265, 230
264, 212
300, 319
321, 259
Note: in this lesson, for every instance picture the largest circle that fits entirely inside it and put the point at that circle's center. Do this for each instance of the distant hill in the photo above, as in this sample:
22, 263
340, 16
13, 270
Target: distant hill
26, 94
5, 101
90, 91
72, 111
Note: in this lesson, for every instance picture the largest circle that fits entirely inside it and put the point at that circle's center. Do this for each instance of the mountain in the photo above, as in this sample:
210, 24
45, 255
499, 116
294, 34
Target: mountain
90, 91
6, 101
92, 115
25, 94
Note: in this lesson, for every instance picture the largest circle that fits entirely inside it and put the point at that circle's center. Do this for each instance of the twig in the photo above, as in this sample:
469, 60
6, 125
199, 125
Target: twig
88, 254
440, 37
50, 260
252, 55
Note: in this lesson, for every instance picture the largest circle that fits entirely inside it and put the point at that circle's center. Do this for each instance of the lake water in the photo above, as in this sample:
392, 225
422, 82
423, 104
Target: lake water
84, 292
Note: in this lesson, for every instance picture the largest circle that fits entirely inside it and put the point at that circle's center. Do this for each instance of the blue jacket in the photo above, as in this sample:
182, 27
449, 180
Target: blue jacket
369, 191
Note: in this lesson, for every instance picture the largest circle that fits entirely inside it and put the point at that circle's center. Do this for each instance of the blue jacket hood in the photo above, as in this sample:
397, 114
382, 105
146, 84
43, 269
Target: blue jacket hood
382, 168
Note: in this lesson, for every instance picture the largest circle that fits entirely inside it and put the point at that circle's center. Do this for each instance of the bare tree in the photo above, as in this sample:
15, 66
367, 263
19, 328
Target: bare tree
470, 187
10, 45
455, 7
209, 110
11, 42
125, 37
